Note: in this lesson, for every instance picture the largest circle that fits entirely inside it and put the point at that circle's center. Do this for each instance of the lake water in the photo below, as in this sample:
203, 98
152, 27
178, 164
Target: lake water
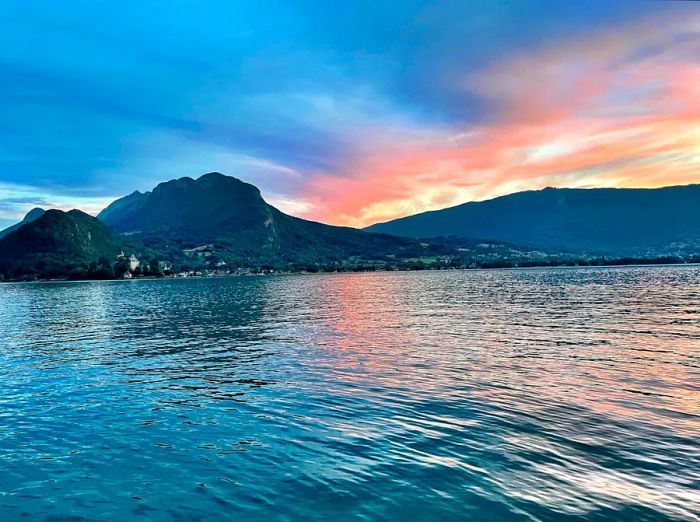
533, 395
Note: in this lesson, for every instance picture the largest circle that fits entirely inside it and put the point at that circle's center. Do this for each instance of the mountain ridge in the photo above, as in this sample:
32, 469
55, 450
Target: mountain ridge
220, 224
611, 221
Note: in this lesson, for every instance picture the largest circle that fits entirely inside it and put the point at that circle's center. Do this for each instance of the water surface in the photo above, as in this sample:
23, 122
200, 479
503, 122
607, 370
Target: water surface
533, 395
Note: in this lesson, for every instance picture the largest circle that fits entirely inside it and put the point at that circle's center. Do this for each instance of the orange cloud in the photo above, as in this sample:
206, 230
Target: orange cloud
618, 108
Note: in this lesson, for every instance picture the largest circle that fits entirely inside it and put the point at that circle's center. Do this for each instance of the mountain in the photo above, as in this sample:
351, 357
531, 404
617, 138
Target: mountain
222, 217
219, 221
200, 209
31, 216
58, 244
617, 222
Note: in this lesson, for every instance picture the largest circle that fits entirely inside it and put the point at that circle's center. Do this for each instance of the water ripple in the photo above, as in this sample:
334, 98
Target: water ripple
533, 395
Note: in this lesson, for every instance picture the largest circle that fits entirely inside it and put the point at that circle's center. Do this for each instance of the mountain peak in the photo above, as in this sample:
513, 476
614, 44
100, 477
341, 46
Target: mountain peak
55, 215
30, 216
218, 177
215, 174
33, 214
211, 201
78, 212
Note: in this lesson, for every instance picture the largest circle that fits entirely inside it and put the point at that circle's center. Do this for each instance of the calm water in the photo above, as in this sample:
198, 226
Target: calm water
554, 394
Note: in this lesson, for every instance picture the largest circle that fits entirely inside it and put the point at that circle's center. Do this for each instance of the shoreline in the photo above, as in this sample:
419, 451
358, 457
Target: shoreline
306, 273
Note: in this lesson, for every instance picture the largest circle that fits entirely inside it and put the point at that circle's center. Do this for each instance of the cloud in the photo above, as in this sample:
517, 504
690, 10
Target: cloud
347, 113
16, 200
619, 107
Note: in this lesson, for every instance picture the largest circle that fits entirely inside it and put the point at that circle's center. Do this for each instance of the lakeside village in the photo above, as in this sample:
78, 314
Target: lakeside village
207, 261
484, 256
130, 267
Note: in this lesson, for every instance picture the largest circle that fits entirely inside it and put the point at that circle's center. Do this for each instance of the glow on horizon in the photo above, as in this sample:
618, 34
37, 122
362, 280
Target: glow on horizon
441, 104
619, 108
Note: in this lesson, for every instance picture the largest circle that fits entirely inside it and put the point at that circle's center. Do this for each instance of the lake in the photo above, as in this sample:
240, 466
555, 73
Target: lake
504, 395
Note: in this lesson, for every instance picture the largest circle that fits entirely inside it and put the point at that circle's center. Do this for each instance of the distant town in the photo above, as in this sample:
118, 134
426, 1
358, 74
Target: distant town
131, 267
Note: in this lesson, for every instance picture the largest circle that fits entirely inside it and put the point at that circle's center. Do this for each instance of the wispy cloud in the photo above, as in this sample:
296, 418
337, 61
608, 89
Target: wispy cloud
16, 200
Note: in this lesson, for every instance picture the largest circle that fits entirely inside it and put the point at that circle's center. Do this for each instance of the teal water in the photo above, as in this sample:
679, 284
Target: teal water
514, 395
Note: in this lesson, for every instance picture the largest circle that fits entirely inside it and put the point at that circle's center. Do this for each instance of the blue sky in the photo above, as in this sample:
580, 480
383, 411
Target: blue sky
311, 101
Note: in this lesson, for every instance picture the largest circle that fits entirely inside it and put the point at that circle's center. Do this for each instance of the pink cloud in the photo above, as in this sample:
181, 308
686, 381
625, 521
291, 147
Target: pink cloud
617, 108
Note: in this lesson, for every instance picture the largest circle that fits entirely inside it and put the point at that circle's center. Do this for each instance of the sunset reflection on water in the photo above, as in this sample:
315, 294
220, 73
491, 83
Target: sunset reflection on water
544, 394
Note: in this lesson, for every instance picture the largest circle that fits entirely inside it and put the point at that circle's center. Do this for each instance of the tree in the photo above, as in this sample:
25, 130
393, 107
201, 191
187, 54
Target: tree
121, 267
